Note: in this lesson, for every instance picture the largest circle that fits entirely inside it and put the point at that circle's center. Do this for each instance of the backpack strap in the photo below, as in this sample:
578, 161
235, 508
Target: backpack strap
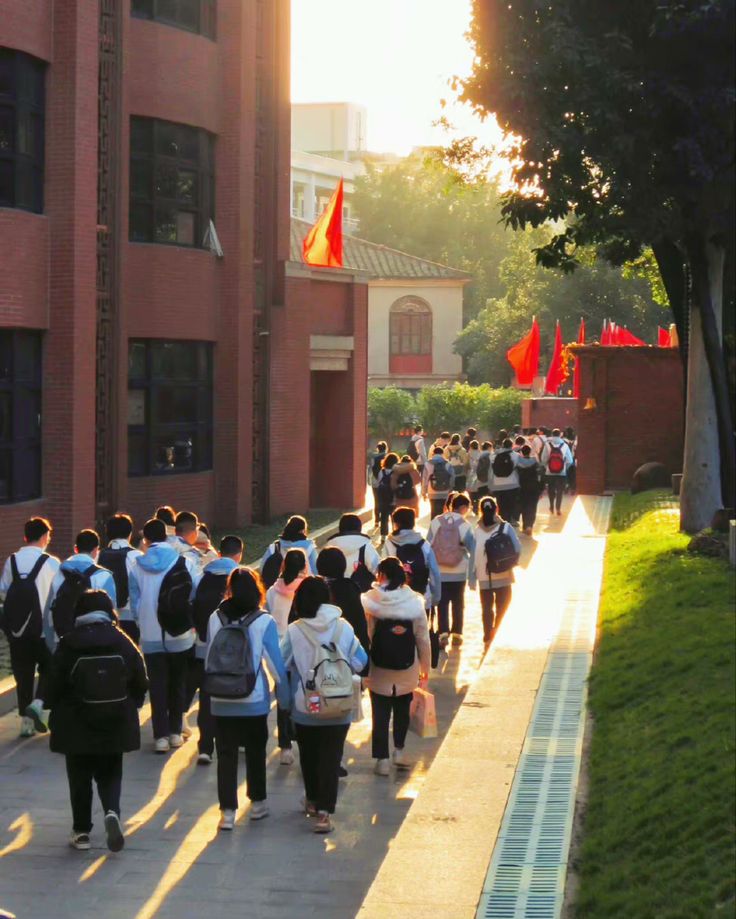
361, 555
88, 573
33, 573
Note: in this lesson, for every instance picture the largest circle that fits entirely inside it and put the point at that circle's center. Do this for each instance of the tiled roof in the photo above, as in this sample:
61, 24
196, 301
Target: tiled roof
378, 261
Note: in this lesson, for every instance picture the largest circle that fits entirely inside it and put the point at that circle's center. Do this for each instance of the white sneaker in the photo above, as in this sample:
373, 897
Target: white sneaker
38, 715
287, 756
186, 731
382, 767
400, 760
80, 841
457, 640
258, 810
227, 820
26, 727
161, 745
204, 759
114, 832
176, 741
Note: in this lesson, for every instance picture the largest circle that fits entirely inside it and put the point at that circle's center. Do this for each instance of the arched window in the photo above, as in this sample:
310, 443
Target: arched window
410, 336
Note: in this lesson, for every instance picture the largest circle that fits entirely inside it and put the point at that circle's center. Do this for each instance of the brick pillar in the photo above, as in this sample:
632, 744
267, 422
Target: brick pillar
592, 425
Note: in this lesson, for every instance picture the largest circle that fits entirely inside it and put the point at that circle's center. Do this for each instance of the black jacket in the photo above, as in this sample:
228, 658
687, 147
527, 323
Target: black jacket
346, 594
71, 731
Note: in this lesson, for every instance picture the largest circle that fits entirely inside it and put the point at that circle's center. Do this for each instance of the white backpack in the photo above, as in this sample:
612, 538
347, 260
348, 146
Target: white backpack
328, 684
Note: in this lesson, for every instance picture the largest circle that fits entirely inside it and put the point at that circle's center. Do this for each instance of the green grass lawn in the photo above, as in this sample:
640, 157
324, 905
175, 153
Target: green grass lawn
658, 833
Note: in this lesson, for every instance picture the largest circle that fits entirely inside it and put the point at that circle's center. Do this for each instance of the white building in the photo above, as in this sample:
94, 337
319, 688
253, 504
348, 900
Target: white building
333, 129
314, 179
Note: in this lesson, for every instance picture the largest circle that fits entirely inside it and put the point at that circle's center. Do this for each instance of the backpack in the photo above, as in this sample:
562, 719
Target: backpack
100, 685
67, 596
556, 461
272, 566
440, 477
446, 545
405, 487
503, 464
412, 451
328, 687
174, 611
209, 594
376, 464
362, 576
528, 478
412, 556
22, 613
501, 554
228, 670
393, 646
115, 560
482, 470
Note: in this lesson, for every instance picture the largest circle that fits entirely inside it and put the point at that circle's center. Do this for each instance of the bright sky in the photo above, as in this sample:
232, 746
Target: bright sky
392, 56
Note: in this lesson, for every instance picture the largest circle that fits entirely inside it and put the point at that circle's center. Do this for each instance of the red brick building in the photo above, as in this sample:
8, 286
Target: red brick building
156, 344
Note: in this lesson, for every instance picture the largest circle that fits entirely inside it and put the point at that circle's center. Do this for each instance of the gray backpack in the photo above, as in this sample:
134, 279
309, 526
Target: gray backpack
229, 672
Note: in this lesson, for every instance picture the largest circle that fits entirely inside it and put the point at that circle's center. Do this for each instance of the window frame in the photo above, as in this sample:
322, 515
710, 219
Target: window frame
25, 107
206, 15
22, 391
410, 318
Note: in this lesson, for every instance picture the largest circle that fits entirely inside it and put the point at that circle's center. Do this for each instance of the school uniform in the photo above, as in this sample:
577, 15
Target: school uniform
433, 591
556, 481
505, 489
453, 578
126, 621
528, 470
457, 457
495, 589
308, 545
279, 603
403, 469
350, 544
437, 495
100, 580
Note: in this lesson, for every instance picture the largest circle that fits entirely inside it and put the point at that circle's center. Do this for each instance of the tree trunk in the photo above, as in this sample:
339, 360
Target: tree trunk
673, 269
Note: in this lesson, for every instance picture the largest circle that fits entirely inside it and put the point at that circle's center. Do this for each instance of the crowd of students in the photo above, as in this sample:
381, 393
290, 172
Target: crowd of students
167, 615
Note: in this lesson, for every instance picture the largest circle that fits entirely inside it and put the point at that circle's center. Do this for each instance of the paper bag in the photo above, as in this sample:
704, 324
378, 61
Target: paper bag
358, 713
422, 714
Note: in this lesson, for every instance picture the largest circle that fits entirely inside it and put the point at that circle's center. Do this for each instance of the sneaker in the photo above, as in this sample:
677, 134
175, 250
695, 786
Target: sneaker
382, 767
258, 810
115, 838
287, 756
38, 715
204, 759
309, 807
444, 640
559, 513
342, 772
400, 759
457, 640
80, 841
186, 731
26, 727
527, 531
161, 745
176, 741
227, 820
322, 824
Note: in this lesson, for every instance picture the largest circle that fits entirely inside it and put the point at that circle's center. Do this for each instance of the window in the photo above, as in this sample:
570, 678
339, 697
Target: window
20, 415
172, 185
411, 327
169, 407
21, 131
193, 15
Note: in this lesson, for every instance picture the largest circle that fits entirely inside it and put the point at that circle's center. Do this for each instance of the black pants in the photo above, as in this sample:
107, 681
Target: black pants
382, 707
284, 727
205, 722
529, 501
106, 769
493, 603
508, 504
131, 630
437, 506
25, 655
231, 733
384, 517
320, 752
453, 592
460, 482
572, 478
376, 517
167, 686
555, 490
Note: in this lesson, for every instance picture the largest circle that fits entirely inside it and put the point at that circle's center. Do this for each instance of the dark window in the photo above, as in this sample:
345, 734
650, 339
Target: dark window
21, 131
193, 15
20, 415
410, 327
172, 184
169, 407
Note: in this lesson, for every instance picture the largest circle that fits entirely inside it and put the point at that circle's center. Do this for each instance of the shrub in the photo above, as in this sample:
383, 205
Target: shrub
389, 410
456, 407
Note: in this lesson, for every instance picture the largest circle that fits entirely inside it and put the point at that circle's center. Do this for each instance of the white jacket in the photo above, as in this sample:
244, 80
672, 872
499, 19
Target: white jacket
508, 482
351, 544
479, 570
25, 559
566, 455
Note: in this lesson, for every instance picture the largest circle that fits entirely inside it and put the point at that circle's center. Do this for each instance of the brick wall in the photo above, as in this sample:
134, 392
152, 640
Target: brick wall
549, 413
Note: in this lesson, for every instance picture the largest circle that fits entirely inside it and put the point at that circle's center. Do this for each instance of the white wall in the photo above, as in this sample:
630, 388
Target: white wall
335, 127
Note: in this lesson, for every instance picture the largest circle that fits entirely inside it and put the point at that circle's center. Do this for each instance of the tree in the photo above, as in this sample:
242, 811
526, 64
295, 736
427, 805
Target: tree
389, 410
623, 114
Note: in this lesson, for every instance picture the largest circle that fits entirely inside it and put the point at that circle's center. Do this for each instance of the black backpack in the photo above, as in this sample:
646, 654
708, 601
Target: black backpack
174, 611
115, 560
272, 566
483, 468
386, 493
67, 596
412, 451
528, 478
503, 464
100, 685
440, 477
501, 554
405, 487
393, 645
376, 464
412, 554
362, 576
210, 591
229, 672
22, 613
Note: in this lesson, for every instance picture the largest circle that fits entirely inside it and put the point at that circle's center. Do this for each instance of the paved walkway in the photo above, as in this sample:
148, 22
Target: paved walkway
176, 865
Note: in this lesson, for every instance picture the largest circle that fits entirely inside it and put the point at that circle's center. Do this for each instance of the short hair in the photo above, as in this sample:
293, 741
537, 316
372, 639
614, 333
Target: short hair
167, 514
245, 589
487, 445
406, 458
119, 526
556, 432
36, 528
394, 571
474, 445
186, 522
417, 429
445, 435
312, 593
403, 518
331, 563
203, 528
471, 432
438, 451
455, 439
507, 445
231, 545
526, 450
154, 530
381, 446
87, 541
519, 441
460, 500
389, 461
95, 601
350, 523
502, 434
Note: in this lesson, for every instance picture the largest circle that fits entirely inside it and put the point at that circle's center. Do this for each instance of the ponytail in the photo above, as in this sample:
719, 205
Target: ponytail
489, 512
295, 562
393, 570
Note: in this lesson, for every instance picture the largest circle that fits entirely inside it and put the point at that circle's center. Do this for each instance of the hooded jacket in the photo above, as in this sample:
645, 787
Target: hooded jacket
351, 544
508, 482
308, 545
460, 571
71, 732
428, 489
406, 605
421, 448
433, 592
411, 470
529, 480
373, 458
479, 572
473, 457
188, 551
145, 584
457, 457
100, 580
298, 656
124, 612
218, 567
279, 599
566, 456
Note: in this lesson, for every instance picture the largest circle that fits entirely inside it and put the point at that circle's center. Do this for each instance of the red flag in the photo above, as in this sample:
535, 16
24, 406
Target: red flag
628, 338
576, 374
323, 244
524, 356
605, 333
555, 374
663, 337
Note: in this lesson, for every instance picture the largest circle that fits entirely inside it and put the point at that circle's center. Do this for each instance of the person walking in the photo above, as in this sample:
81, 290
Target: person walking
404, 480
186, 533
451, 539
414, 552
96, 686
322, 712
457, 457
572, 470
167, 514
472, 485
506, 481
344, 592
556, 459
119, 557
495, 589
203, 545
293, 536
385, 493
361, 558
399, 659
484, 472
417, 448
25, 588
469, 437
375, 464
438, 481
529, 471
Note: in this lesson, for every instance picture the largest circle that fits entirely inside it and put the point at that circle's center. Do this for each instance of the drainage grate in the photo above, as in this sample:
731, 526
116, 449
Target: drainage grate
526, 877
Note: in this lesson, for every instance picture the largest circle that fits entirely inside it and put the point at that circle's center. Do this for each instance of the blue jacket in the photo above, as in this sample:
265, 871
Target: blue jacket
218, 566
307, 544
100, 580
